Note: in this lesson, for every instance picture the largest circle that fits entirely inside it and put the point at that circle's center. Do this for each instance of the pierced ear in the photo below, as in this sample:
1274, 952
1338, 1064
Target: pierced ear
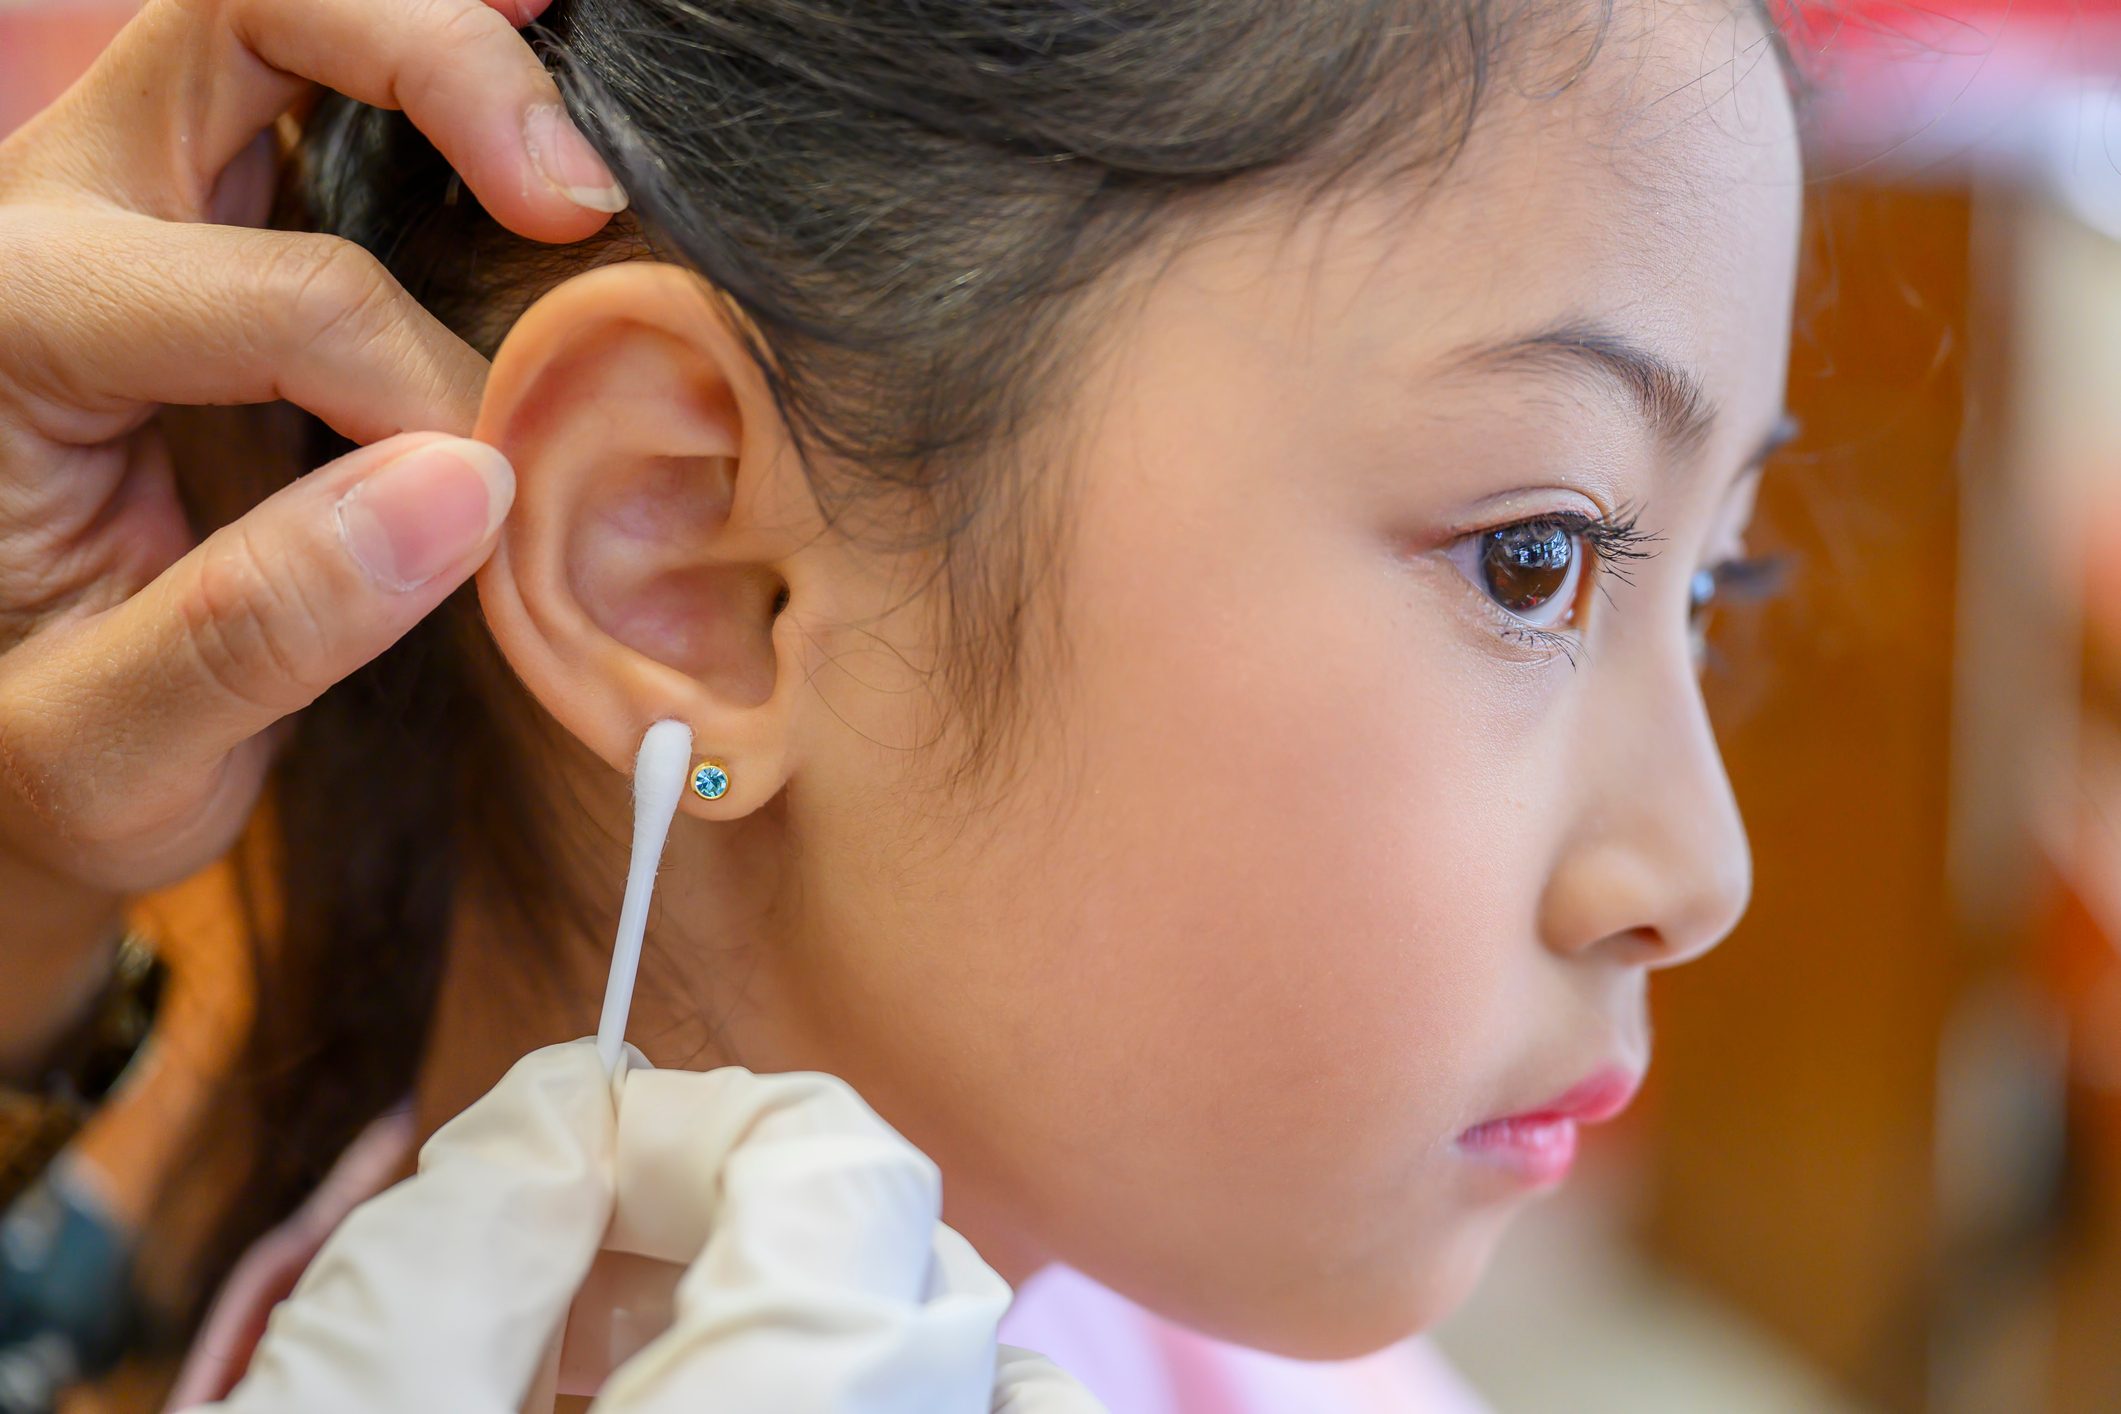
644, 567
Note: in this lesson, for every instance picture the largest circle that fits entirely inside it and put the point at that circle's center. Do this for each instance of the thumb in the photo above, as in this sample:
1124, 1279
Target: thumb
314, 581
820, 1275
273, 609
442, 1292
252, 625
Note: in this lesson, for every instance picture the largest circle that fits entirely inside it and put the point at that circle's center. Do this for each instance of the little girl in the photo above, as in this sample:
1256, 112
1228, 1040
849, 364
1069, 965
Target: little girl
1184, 528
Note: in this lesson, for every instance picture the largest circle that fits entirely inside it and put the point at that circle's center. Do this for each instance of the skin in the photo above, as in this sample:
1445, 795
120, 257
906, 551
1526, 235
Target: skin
143, 673
1308, 860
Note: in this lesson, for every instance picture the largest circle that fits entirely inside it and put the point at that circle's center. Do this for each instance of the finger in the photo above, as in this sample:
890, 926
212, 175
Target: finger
254, 624
442, 1292
189, 83
1026, 1382
129, 311
822, 1275
270, 611
692, 1143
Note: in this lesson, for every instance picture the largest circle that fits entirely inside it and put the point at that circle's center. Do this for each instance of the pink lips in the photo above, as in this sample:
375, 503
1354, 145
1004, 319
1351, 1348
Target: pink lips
1539, 1146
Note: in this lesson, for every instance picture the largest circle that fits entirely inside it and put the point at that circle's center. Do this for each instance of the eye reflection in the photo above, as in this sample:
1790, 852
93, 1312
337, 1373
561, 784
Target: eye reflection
1531, 569
1527, 565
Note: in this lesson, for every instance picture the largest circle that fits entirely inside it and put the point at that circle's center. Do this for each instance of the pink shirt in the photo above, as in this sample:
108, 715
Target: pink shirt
1133, 1360
1139, 1363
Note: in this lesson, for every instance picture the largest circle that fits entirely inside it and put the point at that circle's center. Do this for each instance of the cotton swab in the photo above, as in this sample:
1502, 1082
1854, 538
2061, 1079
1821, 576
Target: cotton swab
658, 782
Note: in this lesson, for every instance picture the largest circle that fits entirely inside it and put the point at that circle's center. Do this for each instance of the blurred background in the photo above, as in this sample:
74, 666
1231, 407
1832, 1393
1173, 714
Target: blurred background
1878, 1167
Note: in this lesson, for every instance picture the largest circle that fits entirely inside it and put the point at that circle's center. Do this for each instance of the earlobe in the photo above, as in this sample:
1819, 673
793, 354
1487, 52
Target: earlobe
637, 577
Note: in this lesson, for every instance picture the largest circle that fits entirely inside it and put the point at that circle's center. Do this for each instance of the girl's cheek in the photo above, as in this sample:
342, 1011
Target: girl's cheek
1244, 967
1327, 868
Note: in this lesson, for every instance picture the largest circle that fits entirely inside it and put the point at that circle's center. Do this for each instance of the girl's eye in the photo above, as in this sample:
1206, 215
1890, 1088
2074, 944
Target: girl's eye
1701, 598
1532, 569
1743, 580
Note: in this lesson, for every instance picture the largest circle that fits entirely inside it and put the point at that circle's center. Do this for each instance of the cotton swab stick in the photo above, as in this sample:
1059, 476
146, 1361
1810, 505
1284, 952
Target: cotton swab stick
658, 783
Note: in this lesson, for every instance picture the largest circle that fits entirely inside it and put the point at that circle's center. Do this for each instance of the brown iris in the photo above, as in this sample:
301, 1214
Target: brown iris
1525, 565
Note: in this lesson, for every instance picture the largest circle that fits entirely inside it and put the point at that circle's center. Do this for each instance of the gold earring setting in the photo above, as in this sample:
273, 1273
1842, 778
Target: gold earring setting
710, 780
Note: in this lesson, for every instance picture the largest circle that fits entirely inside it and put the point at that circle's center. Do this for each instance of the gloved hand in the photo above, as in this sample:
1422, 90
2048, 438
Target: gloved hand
819, 1274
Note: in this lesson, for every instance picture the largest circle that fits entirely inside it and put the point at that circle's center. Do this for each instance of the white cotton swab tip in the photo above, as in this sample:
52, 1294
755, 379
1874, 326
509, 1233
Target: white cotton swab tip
658, 783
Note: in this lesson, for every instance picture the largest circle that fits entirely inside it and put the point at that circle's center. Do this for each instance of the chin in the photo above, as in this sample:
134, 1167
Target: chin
1376, 1302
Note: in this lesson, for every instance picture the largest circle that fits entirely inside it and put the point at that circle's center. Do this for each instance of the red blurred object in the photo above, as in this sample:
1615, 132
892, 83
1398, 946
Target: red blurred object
45, 47
1908, 30
1916, 86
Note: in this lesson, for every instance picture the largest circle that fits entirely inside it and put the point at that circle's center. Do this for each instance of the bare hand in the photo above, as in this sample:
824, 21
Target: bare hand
139, 672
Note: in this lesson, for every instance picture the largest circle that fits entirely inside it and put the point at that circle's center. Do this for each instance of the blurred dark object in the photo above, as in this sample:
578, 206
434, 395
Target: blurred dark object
66, 1300
37, 1120
66, 1308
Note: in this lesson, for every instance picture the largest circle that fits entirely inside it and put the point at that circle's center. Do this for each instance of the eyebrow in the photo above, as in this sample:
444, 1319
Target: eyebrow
1670, 398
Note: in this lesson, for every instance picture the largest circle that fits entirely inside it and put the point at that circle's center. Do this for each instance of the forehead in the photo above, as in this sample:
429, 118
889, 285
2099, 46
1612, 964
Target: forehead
1657, 190
1664, 171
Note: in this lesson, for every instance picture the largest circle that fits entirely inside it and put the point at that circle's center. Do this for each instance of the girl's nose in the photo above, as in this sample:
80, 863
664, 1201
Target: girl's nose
1656, 870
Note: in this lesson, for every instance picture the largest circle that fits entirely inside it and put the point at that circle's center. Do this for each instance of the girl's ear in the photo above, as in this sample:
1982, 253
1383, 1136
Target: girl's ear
644, 570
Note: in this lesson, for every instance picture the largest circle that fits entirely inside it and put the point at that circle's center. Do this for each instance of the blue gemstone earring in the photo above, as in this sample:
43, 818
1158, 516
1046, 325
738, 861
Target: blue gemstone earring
710, 780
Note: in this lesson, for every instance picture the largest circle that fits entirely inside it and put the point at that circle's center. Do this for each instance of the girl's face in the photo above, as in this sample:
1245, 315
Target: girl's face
1364, 790
1370, 793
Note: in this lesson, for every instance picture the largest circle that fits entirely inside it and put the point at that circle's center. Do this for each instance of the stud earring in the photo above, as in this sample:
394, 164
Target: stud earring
710, 780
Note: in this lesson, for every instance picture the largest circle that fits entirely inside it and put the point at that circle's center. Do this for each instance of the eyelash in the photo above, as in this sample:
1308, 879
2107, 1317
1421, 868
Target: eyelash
1617, 541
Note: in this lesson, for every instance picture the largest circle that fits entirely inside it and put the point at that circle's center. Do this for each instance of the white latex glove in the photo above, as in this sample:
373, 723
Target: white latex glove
819, 1274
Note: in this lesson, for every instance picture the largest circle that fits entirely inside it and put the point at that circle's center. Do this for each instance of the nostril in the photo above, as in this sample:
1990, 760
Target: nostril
1650, 948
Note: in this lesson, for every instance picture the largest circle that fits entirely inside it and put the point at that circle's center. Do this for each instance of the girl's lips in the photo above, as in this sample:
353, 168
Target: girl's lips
1538, 1151
1539, 1146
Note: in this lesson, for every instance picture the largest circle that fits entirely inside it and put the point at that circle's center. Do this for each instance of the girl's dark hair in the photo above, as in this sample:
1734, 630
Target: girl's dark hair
908, 205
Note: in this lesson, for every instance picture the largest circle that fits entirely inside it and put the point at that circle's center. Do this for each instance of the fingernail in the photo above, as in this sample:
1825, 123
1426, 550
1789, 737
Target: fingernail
565, 159
414, 517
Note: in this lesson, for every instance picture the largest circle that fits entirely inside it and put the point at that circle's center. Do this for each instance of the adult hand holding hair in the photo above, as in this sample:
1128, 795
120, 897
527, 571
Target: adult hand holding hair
140, 673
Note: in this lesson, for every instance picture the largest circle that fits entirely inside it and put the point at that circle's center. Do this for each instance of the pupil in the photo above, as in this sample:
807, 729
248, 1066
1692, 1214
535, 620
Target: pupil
1526, 565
